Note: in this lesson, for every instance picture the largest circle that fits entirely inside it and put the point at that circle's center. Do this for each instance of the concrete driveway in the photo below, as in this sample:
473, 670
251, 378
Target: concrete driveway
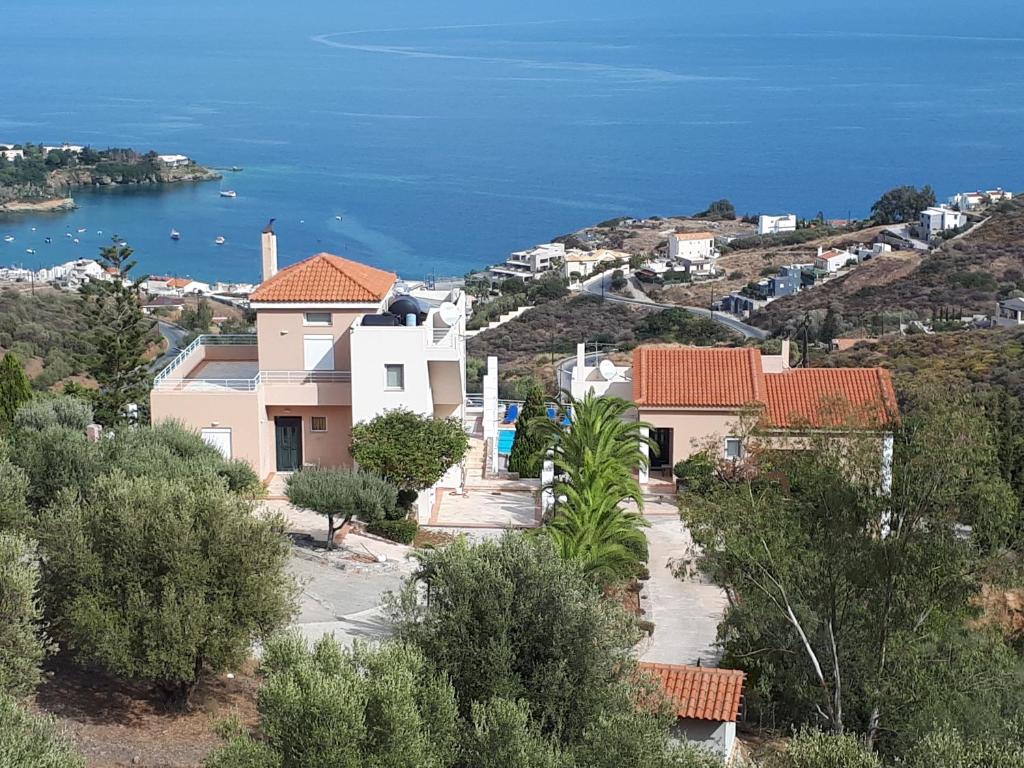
686, 613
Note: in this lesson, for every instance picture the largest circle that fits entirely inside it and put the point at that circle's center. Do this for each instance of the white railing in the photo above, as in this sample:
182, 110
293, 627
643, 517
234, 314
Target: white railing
206, 340
262, 378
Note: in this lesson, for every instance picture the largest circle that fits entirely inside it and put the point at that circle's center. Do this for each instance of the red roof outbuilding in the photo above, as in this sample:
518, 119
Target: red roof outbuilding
700, 693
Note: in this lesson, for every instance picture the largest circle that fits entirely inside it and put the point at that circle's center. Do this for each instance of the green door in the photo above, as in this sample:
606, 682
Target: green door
288, 430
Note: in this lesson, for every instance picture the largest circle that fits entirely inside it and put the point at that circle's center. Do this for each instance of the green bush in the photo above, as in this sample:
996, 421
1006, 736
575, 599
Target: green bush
403, 531
697, 473
42, 412
31, 741
342, 494
22, 643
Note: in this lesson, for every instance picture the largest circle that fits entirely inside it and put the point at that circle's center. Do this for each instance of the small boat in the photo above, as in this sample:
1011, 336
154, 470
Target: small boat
30, 251
33, 229
235, 169
338, 218
228, 193
220, 240
82, 229
122, 244
48, 240
175, 234
8, 238
76, 241
67, 235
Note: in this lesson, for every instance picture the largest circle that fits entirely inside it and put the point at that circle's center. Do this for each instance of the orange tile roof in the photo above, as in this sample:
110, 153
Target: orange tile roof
700, 693
693, 235
690, 376
823, 397
326, 278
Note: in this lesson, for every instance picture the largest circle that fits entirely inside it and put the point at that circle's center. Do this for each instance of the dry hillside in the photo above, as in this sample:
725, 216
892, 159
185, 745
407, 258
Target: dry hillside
967, 274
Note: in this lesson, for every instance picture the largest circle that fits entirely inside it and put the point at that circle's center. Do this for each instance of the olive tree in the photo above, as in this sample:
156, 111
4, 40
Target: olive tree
815, 749
410, 450
22, 642
329, 706
342, 494
161, 579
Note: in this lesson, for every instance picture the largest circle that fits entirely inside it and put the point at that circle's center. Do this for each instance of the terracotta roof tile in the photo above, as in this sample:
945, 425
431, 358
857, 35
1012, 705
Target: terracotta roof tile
690, 376
700, 693
821, 397
326, 278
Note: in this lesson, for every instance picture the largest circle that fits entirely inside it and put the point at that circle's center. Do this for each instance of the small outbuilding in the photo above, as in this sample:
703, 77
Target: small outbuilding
707, 701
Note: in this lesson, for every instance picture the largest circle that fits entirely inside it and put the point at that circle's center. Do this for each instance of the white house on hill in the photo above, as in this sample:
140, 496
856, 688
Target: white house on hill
776, 225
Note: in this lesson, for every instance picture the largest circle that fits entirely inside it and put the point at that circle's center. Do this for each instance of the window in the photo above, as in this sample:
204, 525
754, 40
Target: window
318, 423
733, 448
317, 318
318, 353
394, 376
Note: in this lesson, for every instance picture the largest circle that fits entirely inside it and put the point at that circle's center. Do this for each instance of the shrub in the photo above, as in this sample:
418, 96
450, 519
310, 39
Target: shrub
697, 473
410, 450
403, 531
31, 741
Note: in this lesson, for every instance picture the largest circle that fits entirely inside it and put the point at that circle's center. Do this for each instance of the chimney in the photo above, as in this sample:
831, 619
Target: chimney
269, 251
785, 354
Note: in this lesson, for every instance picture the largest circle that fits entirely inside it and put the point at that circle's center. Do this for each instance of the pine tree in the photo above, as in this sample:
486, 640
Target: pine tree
15, 388
121, 336
527, 456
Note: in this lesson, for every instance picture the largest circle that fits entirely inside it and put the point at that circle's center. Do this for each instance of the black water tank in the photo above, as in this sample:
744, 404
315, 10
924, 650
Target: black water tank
379, 320
405, 305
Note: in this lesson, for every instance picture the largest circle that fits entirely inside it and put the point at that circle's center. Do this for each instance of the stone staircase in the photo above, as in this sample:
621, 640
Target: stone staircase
502, 319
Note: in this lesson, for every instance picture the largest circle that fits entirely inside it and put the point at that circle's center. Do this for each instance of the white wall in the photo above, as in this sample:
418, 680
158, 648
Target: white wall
712, 735
690, 249
771, 225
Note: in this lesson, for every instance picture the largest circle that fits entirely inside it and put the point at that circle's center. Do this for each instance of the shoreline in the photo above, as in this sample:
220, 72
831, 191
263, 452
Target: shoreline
56, 205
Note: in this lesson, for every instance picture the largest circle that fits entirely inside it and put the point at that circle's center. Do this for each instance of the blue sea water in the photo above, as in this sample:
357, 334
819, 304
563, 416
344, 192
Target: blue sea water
447, 134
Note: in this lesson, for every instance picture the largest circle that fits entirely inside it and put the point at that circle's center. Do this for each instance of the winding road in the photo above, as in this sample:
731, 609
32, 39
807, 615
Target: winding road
601, 287
174, 335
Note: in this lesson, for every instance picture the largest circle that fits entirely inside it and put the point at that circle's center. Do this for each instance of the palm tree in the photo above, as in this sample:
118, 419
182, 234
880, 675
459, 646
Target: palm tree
593, 530
596, 450
592, 436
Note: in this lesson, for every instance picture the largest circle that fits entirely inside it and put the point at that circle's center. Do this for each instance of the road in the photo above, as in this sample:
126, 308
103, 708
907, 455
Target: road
174, 336
602, 288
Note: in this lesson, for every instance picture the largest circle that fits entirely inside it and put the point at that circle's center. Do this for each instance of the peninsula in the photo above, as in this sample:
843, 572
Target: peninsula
37, 177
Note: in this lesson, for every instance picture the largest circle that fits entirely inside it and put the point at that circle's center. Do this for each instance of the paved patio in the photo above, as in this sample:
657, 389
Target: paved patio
499, 507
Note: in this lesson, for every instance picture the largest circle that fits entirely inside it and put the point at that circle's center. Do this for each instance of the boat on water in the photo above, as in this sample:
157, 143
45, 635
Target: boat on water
67, 235
82, 229
122, 244
220, 240
8, 238
48, 240
338, 218
228, 193
76, 241
175, 234
30, 251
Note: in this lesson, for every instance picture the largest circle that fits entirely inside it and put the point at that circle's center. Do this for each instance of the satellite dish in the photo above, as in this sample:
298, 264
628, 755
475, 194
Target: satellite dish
607, 369
449, 313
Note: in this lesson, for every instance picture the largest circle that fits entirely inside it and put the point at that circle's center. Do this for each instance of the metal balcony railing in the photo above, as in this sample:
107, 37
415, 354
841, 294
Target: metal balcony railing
262, 378
206, 340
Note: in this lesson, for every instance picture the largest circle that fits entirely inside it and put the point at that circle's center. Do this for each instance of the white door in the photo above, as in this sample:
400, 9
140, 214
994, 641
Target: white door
219, 439
318, 353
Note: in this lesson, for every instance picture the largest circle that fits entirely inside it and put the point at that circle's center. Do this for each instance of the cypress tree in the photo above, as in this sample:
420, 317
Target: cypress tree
15, 388
527, 456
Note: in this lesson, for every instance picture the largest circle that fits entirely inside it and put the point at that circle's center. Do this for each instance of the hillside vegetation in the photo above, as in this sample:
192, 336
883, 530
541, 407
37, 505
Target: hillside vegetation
968, 274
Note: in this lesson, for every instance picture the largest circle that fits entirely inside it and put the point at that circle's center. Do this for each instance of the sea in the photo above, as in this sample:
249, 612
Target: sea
434, 138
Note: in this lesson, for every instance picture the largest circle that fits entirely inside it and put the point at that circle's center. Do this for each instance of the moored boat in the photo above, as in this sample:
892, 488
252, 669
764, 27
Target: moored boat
220, 240
175, 234
228, 193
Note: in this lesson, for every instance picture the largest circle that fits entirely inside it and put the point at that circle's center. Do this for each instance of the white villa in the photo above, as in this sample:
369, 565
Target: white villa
776, 225
938, 219
696, 252
174, 161
833, 259
534, 262
972, 201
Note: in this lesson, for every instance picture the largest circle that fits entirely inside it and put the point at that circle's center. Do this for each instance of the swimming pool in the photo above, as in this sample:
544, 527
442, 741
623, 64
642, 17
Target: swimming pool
505, 440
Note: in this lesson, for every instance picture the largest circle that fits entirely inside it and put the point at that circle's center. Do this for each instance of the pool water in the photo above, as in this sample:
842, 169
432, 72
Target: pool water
505, 440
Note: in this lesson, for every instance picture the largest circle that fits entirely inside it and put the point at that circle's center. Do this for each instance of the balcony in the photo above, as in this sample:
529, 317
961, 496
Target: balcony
225, 364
